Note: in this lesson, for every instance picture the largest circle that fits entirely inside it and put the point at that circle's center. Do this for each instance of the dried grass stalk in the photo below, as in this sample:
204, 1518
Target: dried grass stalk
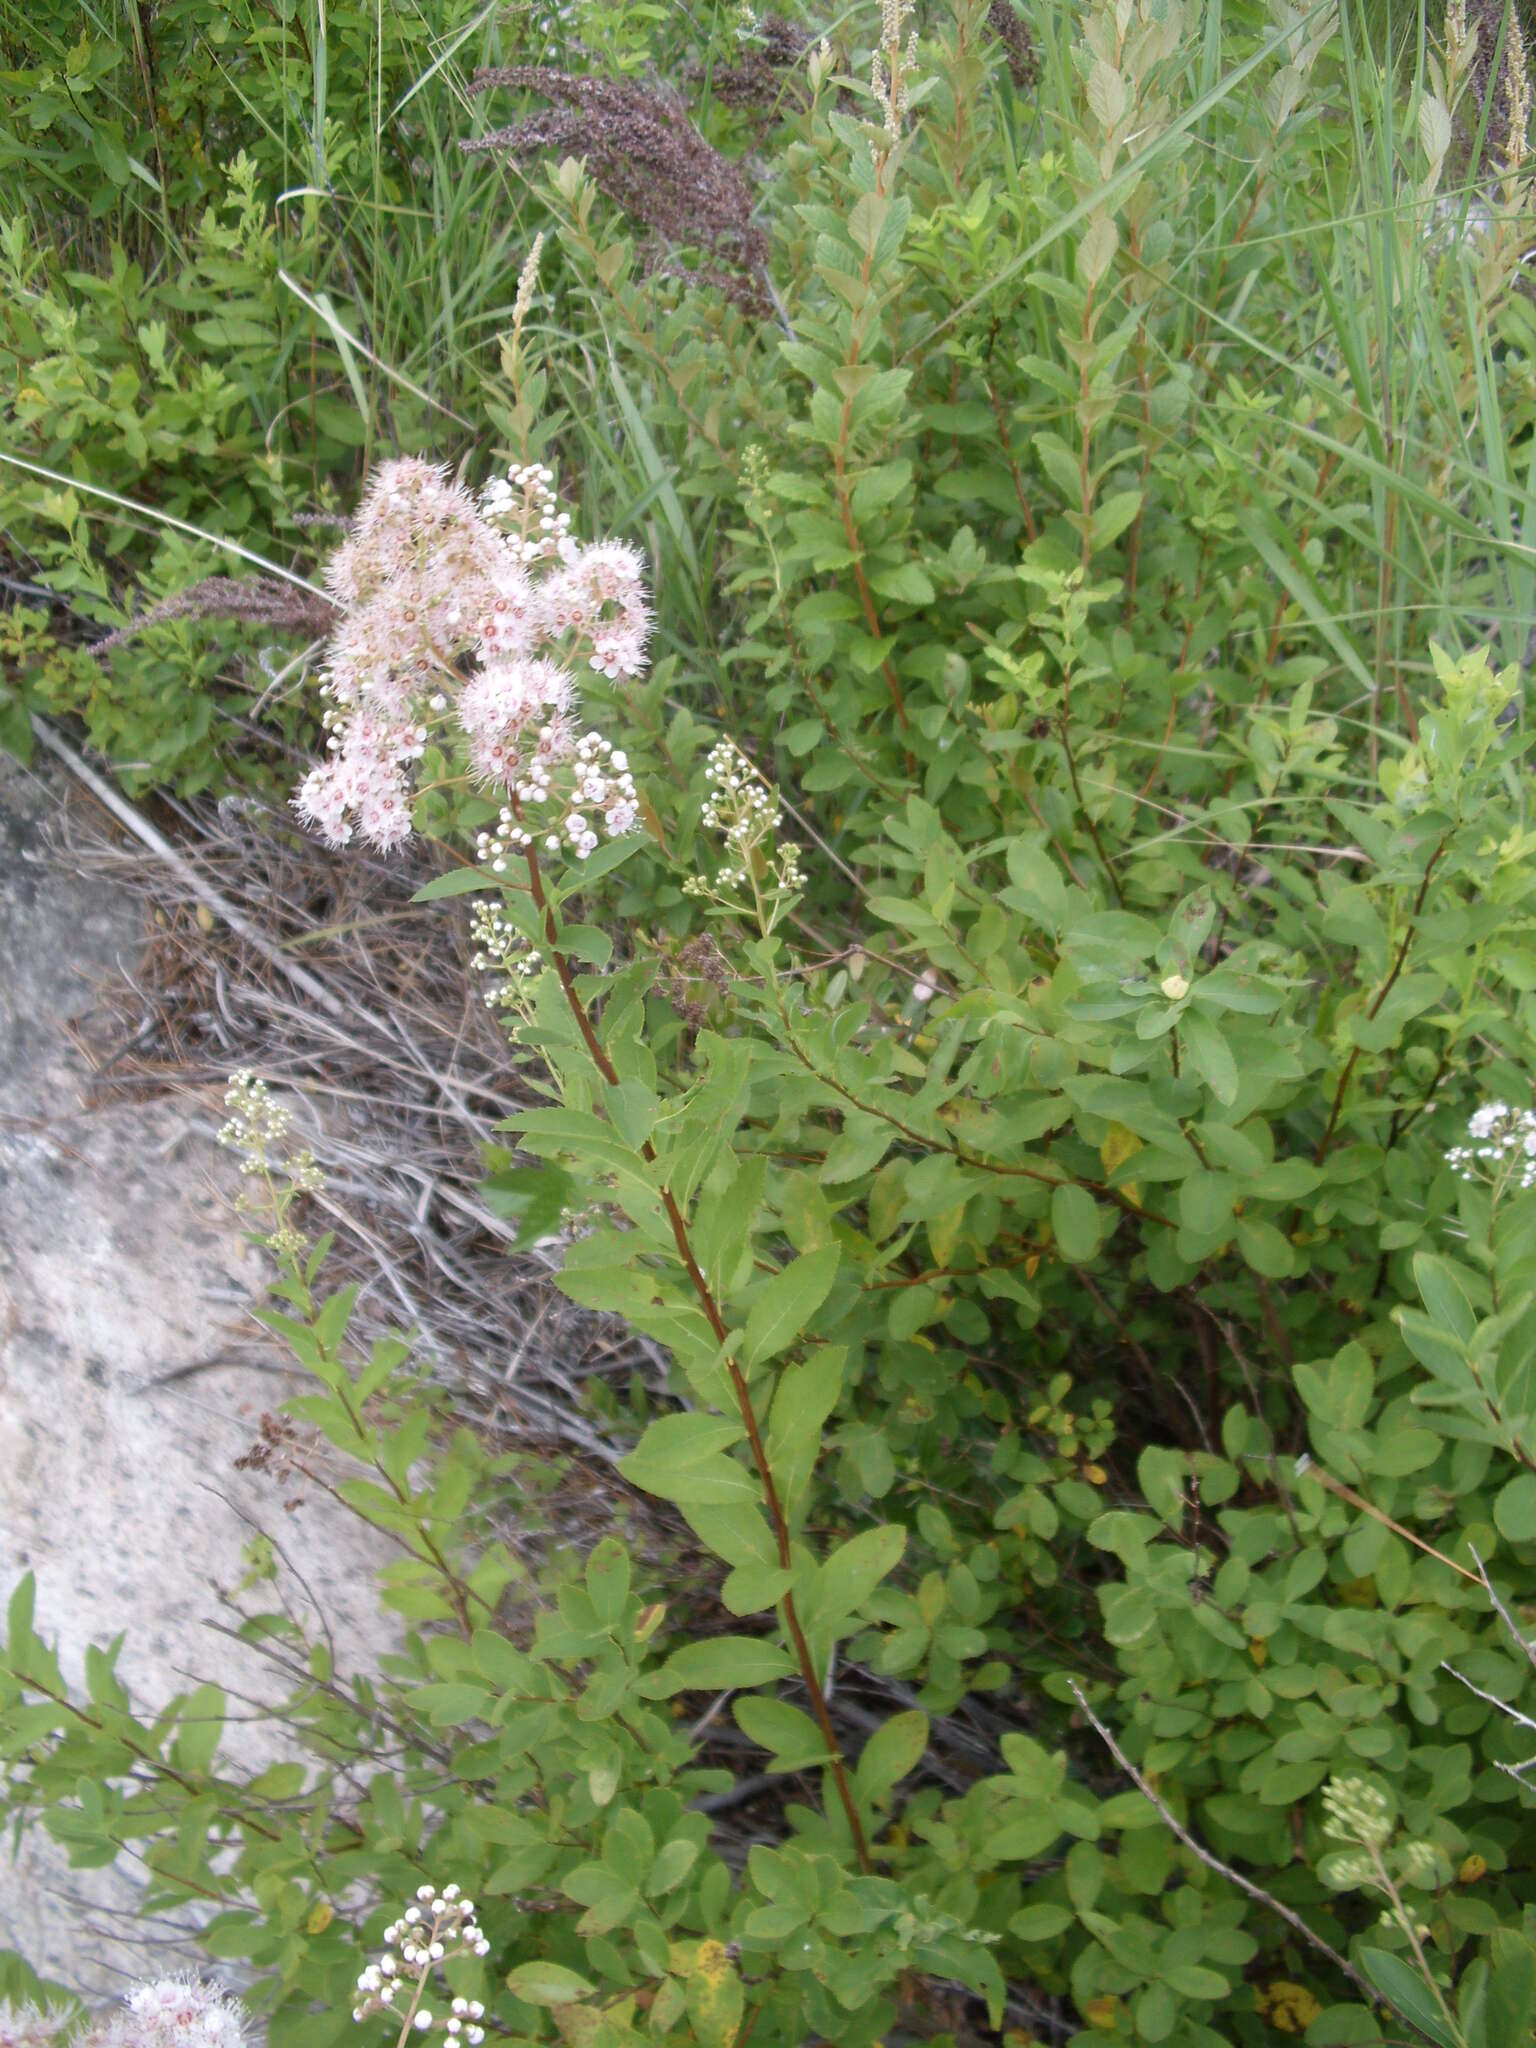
1509, 90
259, 600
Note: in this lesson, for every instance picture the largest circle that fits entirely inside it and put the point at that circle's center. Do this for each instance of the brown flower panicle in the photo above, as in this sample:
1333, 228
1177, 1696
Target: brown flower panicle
645, 153
1013, 32
766, 74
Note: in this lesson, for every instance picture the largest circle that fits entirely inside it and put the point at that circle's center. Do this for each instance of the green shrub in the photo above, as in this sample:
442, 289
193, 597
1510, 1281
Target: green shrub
1044, 1154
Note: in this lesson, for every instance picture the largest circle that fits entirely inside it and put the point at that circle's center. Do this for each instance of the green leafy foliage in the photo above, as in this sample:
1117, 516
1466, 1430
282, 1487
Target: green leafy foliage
1060, 1195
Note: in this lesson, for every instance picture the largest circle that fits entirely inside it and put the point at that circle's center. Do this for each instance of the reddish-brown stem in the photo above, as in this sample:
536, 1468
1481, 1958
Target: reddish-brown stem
1381, 996
1008, 456
157, 1765
717, 1324
1084, 469
1077, 791
866, 595
962, 1153
1173, 705
1203, 326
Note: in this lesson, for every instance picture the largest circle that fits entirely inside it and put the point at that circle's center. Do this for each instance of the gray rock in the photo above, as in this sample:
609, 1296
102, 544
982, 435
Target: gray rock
131, 1378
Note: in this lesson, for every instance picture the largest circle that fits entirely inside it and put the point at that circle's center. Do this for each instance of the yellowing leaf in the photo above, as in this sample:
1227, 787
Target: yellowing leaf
1102, 2012
1119, 1145
1096, 251
319, 1917
944, 1233
715, 1997
711, 1961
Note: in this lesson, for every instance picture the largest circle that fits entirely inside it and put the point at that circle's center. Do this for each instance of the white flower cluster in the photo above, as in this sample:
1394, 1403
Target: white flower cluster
467, 616
603, 783
177, 2012
438, 1925
744, 810
500, 949
256, 1122
257, 1127
1501, 1139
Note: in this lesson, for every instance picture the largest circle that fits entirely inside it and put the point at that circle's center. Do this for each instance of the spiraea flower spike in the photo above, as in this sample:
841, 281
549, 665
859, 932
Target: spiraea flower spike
463, 624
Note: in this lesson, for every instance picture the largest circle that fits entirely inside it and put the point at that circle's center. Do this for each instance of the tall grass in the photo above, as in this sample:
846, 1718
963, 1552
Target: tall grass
374, 316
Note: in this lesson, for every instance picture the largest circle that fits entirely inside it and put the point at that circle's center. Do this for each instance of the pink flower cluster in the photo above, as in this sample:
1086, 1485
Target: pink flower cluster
173, 2012
177, 2012
469, 617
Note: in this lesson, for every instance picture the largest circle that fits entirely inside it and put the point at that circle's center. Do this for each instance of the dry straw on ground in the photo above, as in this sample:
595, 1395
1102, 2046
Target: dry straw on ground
397, 1082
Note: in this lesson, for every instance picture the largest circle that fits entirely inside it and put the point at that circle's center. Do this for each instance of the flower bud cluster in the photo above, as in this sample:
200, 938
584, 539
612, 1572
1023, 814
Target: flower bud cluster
1357, 1812
500, 948
594, 787
1362, 1816
744, 810
462, 622
523, 504
435, 1927
258, 1127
